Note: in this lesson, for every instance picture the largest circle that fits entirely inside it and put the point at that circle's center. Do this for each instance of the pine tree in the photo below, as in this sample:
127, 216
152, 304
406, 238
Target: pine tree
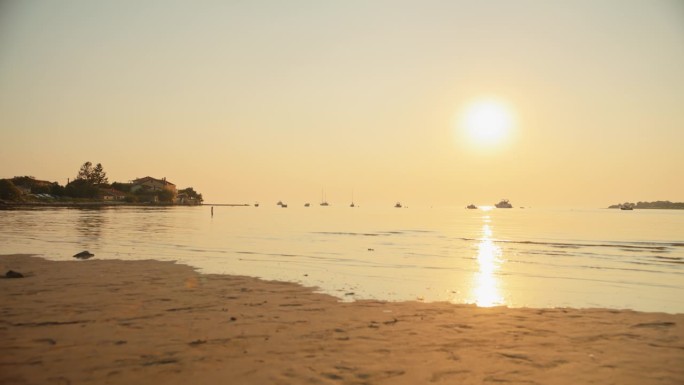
98, 175
85, 172
93, 175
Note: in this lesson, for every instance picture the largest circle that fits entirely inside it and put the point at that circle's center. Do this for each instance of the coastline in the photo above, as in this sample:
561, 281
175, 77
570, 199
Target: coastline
85, 204
4, 205
112, 321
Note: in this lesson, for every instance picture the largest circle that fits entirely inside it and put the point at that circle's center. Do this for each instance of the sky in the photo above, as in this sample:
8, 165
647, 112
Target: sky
280, 100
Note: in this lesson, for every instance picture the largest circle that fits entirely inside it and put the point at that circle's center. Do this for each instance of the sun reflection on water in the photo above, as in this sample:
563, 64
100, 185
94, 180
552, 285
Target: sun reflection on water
485, 288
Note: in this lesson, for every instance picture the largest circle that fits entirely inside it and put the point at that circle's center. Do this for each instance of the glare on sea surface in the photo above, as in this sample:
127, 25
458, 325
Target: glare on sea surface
485, 289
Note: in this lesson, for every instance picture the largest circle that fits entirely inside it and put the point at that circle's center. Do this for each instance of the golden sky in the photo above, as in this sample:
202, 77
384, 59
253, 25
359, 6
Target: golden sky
267, 100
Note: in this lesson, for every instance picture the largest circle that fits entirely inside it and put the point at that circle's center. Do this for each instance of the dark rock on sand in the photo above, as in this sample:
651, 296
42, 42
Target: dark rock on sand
84, 255
13, 274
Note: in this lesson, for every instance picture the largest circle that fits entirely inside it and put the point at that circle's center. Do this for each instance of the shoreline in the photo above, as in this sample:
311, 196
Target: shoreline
20, 205
113, 321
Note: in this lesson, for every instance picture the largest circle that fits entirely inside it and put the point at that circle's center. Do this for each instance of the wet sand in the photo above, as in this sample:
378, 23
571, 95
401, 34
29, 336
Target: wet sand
131, 322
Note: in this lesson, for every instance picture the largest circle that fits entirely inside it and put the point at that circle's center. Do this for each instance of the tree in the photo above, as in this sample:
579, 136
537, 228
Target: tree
41, 188
85, 172
165, 196
92, 175
125, 187
9, 191
57, 190
99, 176
81, 188
191, 193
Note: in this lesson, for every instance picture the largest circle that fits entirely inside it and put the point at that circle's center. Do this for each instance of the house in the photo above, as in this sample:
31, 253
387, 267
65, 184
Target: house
111, 194
152, 184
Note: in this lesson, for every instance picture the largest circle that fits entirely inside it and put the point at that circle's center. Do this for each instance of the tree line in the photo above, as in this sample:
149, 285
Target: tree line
663, 205
91, 182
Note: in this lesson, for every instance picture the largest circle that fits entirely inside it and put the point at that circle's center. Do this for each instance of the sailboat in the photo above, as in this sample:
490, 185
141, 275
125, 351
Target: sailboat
352, 204
324, 202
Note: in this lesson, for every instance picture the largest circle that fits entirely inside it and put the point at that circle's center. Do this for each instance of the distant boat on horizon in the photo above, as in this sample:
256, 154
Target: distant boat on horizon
307, 204
256, 204
504, 204
471, 206
398, 205
324, 202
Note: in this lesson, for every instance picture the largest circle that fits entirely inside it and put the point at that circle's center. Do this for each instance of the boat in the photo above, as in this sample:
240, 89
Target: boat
397, 205
504, 204
626, 207
471, 206
324, 202
256, 204
307, 204
284, 205
280, 203
352, 205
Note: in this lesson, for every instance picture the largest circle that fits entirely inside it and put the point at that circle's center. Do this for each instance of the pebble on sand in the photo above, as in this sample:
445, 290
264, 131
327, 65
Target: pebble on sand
84, 255
13, 274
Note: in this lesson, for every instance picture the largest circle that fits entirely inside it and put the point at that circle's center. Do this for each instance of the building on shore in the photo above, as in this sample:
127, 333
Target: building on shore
152, 184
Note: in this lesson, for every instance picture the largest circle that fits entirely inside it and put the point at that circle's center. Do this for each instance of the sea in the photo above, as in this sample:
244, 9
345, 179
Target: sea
532, 257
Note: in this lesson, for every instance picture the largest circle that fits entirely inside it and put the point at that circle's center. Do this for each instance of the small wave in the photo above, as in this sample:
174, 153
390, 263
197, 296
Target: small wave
669, 260
631, 246
376, 233
352, 234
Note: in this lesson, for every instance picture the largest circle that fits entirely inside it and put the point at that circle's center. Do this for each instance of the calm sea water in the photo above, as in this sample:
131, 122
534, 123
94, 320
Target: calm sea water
513, 257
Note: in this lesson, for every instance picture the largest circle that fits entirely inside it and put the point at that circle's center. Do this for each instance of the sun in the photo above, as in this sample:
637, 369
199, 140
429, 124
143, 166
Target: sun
486, 122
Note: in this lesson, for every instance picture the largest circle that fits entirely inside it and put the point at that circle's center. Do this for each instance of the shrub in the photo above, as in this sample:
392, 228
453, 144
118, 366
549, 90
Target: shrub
8, 191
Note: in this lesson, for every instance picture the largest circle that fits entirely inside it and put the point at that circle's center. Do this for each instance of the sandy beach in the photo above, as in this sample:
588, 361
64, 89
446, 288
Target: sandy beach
130, 322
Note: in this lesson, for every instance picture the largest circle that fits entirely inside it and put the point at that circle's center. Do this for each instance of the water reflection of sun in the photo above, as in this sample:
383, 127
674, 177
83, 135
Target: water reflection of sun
485, 289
